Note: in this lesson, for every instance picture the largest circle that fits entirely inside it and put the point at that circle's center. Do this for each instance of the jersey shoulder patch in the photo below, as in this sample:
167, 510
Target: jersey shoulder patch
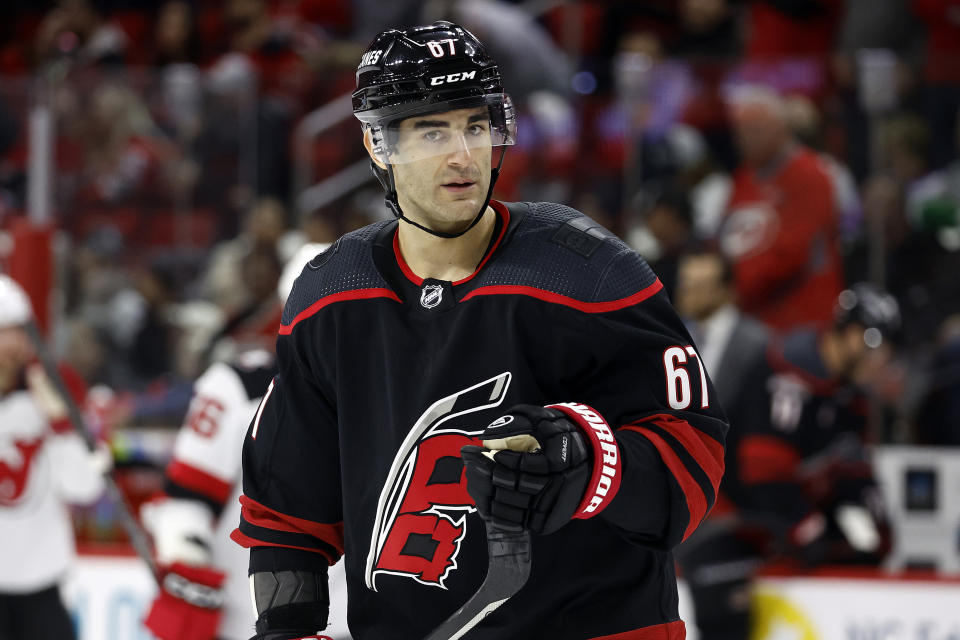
580, 235
347, 265
560, 250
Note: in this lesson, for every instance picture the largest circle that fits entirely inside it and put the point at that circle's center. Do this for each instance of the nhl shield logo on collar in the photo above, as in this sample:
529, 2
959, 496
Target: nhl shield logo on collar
431, 295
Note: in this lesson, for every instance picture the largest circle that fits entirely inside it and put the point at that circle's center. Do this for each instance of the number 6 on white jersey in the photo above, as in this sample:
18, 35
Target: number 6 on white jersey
678, 380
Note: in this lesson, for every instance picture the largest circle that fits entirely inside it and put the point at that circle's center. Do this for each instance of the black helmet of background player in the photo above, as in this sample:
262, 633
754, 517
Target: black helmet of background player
422, 70
870, 307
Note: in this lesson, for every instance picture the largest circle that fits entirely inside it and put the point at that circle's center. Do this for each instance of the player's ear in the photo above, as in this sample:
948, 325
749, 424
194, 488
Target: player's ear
368, 144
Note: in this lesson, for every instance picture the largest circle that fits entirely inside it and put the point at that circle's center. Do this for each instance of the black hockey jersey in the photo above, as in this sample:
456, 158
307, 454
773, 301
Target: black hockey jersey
802, 442
383, 378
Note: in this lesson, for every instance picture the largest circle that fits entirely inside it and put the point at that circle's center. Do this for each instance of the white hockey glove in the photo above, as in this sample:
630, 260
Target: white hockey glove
190, 599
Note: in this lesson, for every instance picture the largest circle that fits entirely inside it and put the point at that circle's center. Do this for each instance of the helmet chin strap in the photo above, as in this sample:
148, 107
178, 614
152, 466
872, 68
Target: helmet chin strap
394, 204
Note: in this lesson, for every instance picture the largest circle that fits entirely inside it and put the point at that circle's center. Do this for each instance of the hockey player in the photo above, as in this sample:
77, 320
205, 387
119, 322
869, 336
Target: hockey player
44, 464
798, 479
405, 339
205, 592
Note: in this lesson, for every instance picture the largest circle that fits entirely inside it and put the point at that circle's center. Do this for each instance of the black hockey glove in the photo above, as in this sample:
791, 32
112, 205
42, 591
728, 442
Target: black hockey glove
542, 466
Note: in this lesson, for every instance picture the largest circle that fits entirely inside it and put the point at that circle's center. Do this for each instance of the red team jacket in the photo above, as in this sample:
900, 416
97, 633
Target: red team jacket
385, 376
780, 232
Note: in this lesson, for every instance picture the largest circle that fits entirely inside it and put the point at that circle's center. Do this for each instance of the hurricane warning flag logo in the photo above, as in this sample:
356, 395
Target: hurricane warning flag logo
422, 512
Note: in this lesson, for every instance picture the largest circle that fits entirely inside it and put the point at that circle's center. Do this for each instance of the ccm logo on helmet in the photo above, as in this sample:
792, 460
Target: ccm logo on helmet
605, 480
452, 77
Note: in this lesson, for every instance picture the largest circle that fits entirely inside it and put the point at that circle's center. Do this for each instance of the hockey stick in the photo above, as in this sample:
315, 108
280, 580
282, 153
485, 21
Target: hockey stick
508, 565
138, 536
507, 572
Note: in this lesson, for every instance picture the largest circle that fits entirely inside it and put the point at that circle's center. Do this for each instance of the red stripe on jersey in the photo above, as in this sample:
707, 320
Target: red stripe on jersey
404, 267
556, 298
263, 516
498, 207
247, 542
696, 501
504, 213
766, 459
358, 294
705, 450
670, 631
198, 481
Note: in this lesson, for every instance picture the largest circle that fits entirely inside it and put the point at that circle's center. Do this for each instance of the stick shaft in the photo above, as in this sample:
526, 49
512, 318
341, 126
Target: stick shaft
138, 536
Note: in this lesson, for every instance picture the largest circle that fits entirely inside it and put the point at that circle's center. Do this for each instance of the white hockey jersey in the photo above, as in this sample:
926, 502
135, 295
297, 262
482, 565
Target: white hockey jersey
205, 468
40, 472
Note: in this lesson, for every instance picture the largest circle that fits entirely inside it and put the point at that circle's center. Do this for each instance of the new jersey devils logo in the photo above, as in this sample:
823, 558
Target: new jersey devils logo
16, 461
421, 514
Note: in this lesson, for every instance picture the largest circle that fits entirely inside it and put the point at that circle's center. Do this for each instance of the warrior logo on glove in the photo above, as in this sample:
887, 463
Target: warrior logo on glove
543, 467
422, 512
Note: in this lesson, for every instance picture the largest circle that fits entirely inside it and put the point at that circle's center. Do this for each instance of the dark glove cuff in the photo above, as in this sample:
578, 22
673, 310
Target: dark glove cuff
607, 468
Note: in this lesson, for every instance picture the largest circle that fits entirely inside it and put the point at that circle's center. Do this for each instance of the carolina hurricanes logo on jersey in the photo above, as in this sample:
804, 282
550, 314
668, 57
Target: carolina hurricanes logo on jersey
748, 229
423, 507
16, 460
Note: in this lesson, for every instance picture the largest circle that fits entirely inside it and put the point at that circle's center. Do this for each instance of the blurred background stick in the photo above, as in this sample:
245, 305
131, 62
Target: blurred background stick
138, 536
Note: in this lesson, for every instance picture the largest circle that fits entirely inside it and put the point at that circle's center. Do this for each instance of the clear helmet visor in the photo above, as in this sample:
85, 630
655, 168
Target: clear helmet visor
471, 126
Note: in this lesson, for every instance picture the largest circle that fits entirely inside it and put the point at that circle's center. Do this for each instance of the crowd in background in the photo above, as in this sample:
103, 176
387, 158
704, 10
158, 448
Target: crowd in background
175, 161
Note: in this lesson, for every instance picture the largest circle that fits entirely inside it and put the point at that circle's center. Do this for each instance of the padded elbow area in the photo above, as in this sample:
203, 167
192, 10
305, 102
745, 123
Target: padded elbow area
291, 601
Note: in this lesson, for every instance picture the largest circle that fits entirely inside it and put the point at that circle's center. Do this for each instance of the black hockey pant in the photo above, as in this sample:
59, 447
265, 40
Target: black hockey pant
32, 616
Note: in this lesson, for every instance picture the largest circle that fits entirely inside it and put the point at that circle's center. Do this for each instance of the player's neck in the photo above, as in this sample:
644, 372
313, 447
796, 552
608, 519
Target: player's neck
451, 259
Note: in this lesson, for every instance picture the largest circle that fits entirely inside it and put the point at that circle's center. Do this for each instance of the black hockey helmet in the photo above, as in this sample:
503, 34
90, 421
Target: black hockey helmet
428, 69
871, 307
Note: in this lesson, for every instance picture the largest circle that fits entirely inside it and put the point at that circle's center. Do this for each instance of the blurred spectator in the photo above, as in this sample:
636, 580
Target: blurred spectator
254, 322
670, 221
177, 53
942, 74
919, 271
798, 485
729, 342
865, 25
175, 35
265, 223
933, 201
243, 146
708, 29
781, 227
147, 336
124, 160
279, 49
695, 170
76, 30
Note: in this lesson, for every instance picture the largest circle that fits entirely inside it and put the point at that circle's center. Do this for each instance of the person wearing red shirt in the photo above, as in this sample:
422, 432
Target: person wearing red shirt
781, 225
